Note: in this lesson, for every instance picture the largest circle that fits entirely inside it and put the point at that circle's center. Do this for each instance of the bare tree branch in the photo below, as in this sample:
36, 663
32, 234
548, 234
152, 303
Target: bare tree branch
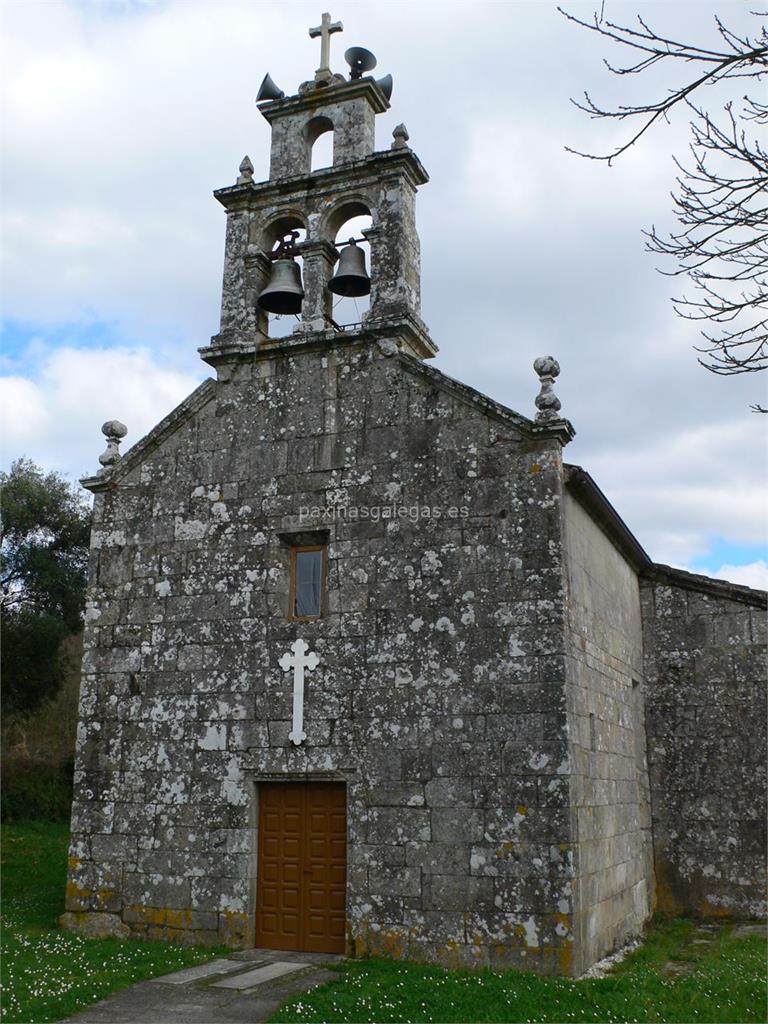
721, 195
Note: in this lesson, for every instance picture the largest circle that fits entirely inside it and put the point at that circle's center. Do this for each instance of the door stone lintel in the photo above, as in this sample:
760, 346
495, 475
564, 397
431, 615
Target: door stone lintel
342, 775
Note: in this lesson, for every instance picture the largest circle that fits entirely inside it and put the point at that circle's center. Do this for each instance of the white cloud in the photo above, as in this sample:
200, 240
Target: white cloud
55, 419
667, 492
77, 77
22, 413
121, 118
754, 575
527, 174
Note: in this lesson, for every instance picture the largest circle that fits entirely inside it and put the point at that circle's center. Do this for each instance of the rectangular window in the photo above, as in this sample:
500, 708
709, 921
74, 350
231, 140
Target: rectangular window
307, 591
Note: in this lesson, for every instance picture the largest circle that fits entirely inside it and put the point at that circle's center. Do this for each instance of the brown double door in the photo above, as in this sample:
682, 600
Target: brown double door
302, 866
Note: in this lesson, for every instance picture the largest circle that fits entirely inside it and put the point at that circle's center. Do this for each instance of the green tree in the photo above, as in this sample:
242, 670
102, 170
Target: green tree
44, 532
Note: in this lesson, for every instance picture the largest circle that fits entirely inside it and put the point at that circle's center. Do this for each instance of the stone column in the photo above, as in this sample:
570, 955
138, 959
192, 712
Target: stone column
354, 130
395, 252
291, 153
319, 259
258, 268
237, 319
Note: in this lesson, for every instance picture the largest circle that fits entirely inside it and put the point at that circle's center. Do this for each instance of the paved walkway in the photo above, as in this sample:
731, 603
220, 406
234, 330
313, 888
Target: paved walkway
244, 988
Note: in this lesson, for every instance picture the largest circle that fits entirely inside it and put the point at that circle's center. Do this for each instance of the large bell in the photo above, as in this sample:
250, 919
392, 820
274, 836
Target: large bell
351, 277
283, 293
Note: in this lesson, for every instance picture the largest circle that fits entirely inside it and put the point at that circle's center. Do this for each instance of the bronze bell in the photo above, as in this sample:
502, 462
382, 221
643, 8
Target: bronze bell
283, 293
351, 277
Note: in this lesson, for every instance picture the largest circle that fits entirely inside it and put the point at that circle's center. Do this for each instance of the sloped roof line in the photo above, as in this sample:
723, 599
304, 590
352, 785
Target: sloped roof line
467, 394
668, 574
587, 492
151, 441
411, 364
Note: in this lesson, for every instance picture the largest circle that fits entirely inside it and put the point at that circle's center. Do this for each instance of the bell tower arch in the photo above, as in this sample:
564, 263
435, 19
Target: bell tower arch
360, 181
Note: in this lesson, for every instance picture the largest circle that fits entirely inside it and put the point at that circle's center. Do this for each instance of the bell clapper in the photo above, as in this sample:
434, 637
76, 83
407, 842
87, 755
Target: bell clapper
283, 293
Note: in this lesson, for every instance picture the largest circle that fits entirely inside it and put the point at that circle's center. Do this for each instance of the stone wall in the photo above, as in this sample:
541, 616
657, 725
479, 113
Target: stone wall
440, 696
609, 779
705, 671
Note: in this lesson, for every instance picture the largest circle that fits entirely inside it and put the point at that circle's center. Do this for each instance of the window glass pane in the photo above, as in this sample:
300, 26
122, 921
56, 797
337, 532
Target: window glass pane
309, 569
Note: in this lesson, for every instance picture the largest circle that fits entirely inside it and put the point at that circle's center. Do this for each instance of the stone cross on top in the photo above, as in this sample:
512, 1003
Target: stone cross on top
325, 29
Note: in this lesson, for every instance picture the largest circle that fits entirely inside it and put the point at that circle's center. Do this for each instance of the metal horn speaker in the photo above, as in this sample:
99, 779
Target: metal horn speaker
360, 60
385, 84
268, 90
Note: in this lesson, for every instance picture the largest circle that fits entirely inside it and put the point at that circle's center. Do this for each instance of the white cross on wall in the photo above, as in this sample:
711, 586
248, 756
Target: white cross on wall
298, 661
324, 30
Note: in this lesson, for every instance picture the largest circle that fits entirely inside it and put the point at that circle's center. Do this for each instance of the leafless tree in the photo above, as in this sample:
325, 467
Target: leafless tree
721, 199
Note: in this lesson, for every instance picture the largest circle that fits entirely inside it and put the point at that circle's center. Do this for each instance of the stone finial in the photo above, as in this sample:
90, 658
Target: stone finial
246, 171
547, 401
114, 431
401, 136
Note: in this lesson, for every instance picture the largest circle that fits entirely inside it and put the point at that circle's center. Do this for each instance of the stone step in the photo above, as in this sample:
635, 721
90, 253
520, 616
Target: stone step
260, 975
192, 974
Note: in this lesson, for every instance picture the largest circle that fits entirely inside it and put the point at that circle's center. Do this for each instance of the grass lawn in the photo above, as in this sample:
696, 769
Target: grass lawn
47, 974
725, 982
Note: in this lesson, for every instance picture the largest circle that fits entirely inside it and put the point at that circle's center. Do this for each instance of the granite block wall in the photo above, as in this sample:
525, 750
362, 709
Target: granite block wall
610, 810
705, 672
440, 696
484, 690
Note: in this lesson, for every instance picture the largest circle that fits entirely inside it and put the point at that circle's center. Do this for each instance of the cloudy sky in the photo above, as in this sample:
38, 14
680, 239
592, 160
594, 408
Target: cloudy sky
121, 116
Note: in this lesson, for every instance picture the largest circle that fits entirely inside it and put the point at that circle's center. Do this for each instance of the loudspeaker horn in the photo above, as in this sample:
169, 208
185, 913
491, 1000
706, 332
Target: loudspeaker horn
268, 90
360, 60
385, 84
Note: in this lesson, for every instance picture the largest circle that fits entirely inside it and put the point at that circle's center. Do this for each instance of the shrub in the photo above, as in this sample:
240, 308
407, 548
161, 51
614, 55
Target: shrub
39, 748
36, 790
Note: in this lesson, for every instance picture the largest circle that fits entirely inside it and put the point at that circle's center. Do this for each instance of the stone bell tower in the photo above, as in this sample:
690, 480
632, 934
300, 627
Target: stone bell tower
360, 181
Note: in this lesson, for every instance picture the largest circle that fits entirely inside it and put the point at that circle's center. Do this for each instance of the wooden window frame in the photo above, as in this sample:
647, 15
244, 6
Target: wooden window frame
295, 550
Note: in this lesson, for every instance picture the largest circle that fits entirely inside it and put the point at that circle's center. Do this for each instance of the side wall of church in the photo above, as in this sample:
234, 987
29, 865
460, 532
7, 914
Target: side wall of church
440, 695
705, 662
609, 778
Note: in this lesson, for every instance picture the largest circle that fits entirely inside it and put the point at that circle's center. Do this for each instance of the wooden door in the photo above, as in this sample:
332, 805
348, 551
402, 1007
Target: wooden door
302, 867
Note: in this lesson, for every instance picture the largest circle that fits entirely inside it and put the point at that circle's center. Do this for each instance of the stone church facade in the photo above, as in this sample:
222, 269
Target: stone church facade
517, 735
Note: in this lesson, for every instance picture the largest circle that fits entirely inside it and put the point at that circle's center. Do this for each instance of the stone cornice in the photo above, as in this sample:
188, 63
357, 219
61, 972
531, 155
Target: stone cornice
345, 177
319, 98
561, 430
405, 327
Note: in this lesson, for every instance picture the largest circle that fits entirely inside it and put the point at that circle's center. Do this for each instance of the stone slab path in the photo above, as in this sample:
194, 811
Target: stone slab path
704, 935
244, 988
